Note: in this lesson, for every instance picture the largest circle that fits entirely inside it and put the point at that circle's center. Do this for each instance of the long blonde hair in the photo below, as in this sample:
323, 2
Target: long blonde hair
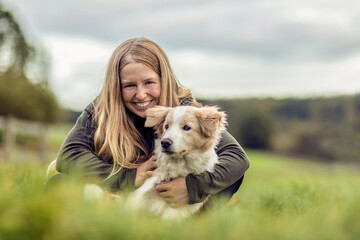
116, 139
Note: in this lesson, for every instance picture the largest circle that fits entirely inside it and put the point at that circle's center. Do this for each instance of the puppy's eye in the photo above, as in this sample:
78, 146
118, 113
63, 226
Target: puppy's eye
186, 128
166, 126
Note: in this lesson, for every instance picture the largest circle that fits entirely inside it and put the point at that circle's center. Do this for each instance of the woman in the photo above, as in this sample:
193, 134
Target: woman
109, 139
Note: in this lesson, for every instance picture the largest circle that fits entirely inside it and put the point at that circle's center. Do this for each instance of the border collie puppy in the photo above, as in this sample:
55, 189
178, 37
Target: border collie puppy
186, 142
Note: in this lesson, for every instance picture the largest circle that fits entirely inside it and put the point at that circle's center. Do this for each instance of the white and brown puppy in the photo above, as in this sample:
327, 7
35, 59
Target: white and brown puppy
186, 142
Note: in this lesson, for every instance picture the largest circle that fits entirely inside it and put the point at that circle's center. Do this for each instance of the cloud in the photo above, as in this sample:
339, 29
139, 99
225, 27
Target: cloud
218, 76
274, 30
217, 48
78, 68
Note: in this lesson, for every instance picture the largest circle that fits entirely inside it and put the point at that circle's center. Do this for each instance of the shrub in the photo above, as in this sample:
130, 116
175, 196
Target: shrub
23, 99
255, 130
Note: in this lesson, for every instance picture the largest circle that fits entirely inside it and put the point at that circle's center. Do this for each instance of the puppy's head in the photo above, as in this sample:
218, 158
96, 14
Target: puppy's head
185, 130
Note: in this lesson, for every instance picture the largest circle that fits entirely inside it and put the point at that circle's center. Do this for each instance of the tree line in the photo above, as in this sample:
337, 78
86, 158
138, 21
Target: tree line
326, 128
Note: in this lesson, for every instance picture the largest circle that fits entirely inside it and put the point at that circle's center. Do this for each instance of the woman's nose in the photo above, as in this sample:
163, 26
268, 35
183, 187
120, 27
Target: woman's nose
141, 93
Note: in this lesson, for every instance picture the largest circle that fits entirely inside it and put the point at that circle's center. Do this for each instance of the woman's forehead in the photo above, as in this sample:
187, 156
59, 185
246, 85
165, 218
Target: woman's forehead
133, 71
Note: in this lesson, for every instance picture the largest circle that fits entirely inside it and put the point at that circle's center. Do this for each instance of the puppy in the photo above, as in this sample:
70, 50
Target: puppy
186, 142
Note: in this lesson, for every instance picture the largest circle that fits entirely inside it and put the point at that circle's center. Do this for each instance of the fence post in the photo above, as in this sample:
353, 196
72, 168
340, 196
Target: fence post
9, 130
43, 127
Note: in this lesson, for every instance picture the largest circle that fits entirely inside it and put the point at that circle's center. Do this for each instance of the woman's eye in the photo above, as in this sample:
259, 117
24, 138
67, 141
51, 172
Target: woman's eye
166, 127
129, 85
186, 128
149, 82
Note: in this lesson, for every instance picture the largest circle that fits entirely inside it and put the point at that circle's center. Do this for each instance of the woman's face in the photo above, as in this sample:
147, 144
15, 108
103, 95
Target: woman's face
140, 88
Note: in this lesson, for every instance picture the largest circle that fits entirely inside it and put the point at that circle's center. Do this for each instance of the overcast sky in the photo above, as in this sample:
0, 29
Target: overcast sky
219, 48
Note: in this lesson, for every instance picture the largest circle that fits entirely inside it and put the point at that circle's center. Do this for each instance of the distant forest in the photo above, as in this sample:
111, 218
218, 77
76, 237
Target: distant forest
320, 128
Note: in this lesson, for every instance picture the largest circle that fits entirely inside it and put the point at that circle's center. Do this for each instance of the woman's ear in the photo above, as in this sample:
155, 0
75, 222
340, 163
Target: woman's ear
211, 120
156, 115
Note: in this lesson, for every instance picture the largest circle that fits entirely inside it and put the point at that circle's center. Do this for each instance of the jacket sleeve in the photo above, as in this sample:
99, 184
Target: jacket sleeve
232, 165
77, 155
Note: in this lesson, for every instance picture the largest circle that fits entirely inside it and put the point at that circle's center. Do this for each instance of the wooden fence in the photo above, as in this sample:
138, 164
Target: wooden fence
11, 128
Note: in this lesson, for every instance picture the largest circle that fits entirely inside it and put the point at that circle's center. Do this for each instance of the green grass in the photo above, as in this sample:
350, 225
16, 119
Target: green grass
56, 135
281, 198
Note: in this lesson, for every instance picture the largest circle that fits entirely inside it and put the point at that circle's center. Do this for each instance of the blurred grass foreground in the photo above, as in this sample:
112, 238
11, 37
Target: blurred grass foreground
281, 198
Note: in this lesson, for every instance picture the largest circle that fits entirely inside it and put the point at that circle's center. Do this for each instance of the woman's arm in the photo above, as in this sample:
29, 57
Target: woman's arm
77, 155
232, 165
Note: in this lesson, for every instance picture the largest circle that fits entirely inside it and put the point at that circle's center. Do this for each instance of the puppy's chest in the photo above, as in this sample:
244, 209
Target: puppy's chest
173, 168
166, 173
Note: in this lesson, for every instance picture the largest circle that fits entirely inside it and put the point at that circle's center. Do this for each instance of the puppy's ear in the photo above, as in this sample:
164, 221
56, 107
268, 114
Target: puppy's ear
156, 115
211, 120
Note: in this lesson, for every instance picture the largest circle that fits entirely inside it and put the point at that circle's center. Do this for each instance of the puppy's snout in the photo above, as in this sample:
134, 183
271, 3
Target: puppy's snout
166, 143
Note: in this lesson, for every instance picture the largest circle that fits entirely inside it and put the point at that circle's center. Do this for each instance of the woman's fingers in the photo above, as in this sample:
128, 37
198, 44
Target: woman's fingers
153, 158
150, 164
174, 192
162, 187
165, 194
145, 170
169, 199
148, 174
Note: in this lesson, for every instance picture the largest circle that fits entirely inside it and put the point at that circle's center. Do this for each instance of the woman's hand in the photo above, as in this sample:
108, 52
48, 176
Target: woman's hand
145, 170
175, 192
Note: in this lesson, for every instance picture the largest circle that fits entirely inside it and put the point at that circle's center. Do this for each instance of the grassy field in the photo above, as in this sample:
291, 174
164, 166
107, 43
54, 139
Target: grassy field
281, 198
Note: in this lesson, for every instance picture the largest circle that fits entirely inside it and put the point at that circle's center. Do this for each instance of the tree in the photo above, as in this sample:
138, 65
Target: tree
255, 130
13, 37
19, 96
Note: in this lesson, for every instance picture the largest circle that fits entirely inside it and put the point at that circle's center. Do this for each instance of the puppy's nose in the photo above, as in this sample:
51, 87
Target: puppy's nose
166, 143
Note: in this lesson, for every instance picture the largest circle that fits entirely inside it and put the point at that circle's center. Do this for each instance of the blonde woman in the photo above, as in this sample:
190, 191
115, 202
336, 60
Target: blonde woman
109, 140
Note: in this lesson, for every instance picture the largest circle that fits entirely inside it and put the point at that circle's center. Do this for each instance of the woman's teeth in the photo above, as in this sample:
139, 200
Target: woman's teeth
143, 104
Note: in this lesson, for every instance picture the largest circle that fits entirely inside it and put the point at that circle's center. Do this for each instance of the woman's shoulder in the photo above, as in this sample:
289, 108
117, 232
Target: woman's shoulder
90, 108
88, 115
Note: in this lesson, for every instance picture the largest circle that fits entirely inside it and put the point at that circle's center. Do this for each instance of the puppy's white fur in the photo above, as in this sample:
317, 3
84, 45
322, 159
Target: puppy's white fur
193, 134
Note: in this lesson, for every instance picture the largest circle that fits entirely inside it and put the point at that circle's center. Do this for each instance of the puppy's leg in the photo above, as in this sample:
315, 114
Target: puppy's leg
138, 199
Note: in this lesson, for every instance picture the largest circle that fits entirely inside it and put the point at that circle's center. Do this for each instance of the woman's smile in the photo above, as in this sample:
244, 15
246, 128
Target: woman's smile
143, 104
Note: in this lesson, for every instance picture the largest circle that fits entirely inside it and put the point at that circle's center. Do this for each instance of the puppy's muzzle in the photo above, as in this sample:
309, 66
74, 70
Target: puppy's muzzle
166, 144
